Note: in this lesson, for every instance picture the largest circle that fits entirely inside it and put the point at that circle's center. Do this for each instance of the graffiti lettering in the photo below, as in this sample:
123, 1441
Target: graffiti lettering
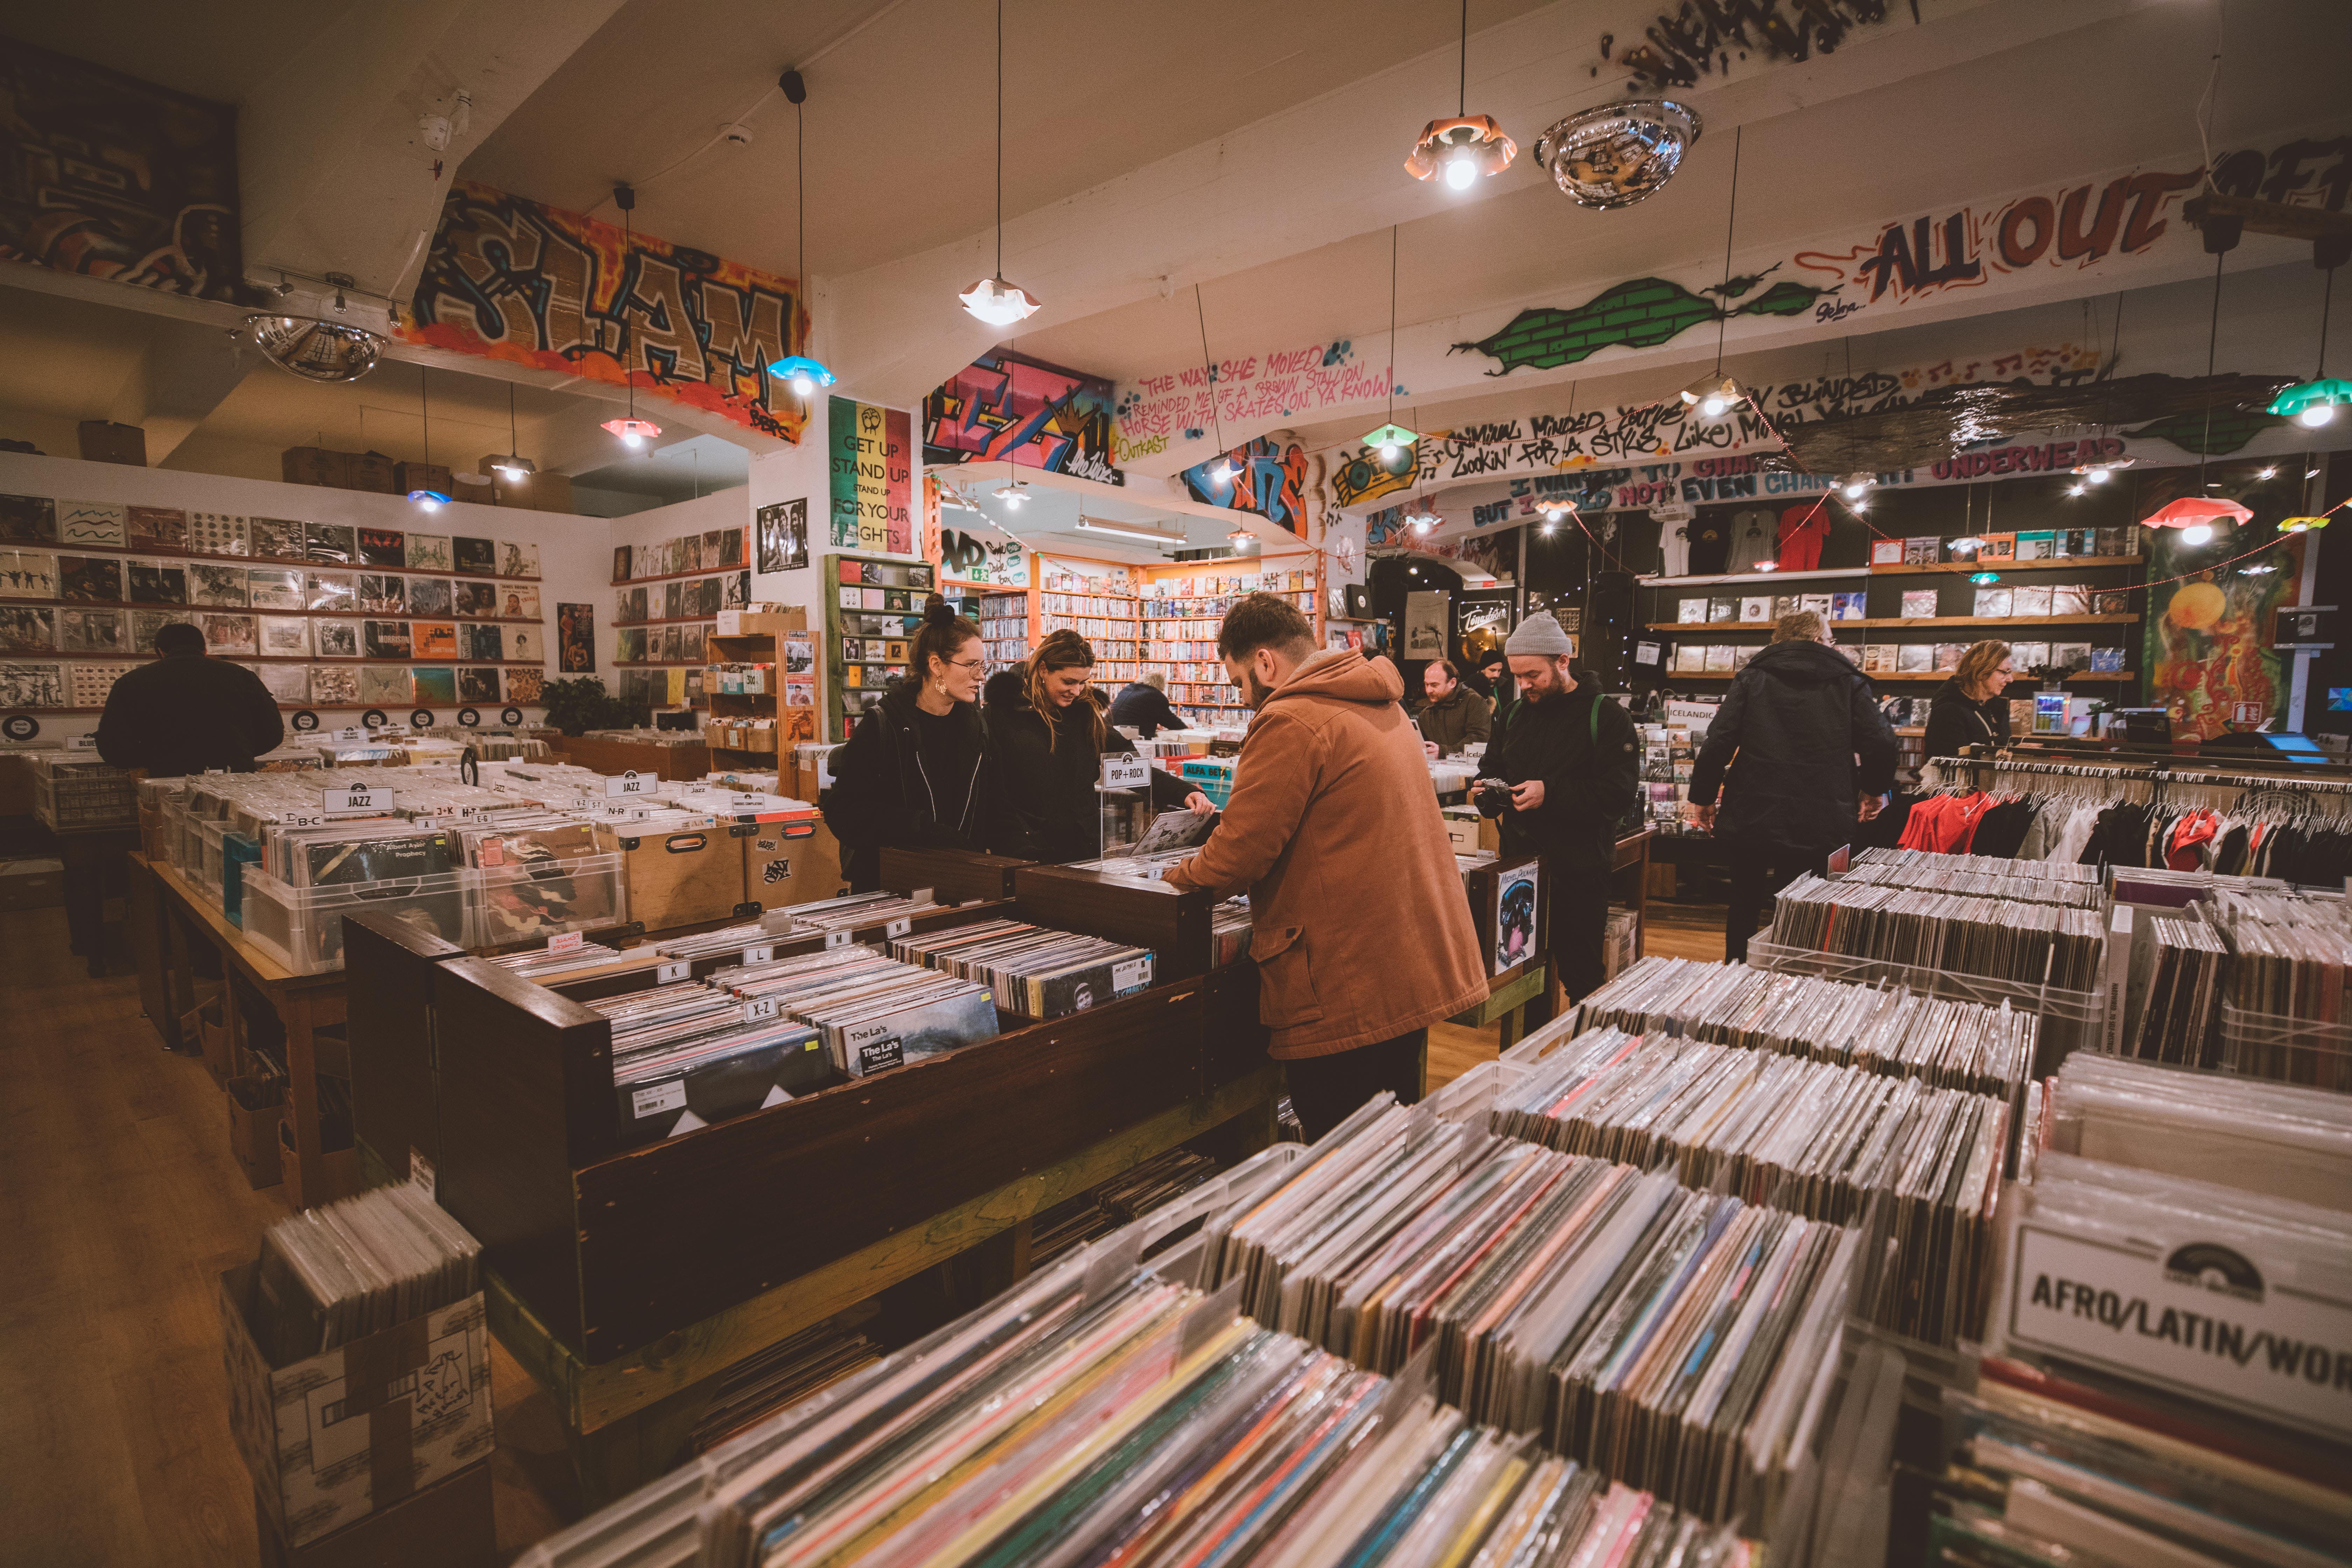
1003, 408
1703, 36
1272, 482
1275, 385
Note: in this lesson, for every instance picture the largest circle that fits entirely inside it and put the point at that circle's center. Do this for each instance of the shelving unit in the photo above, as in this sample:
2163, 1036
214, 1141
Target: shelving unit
2060, 564
760, 642
871, 615
1092, 603
1181, 635
1915, 621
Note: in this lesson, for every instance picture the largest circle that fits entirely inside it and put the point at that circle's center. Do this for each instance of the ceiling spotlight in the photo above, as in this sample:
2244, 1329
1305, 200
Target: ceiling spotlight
633, 433
1548, 528
1615, 155
315, 350
802, 374
2256, 571
1128, 531
2269, 473
1224, 472
1390, 441
2100, 473
2195, 517
2312, 403
1241, 539
1713, 396
2074, 490
1856, 486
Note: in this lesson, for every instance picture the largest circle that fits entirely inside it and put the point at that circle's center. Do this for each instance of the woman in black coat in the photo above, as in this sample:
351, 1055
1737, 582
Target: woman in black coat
1049, 741
1970, 708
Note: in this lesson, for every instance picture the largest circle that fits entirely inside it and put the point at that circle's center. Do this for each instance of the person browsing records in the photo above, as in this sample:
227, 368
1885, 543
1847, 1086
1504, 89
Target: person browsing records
187, 712
1813, 756
917, 773
1142, 706
1454, 716
1334, 832
1971, 709
1049, 740
1561, 769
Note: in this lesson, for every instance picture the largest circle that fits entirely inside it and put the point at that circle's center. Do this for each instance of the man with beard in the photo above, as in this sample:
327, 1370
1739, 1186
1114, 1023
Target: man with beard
1562, 768
1334, 831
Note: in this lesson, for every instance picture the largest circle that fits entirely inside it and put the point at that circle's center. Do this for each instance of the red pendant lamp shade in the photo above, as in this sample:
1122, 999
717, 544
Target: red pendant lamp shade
2190, 511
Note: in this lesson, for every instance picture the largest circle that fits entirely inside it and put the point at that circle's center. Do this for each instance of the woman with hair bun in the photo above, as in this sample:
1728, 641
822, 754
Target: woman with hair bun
917, 773
1049, 738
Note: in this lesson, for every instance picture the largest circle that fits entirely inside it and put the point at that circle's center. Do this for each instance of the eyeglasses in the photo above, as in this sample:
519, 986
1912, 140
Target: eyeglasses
966, 663
2004, 670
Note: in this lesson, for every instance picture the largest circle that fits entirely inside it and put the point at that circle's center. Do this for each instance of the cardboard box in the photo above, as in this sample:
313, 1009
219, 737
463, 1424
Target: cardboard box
453, 1523
333, 1438
316, 465
37, 884
545, 492
408, 477
103, 442
219, 1041
256, 1107
339, 1170
1462, 831
678, 876
785, 863
374, 471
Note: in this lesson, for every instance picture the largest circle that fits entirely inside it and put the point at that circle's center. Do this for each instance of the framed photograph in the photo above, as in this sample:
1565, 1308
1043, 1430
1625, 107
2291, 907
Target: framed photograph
575, 631
784, 536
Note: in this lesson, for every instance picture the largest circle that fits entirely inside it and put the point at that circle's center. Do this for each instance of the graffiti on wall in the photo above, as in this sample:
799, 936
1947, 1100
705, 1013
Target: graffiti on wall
110, 177
516, 280
872, 487
1270, 480
1704, 37
1154, 412
1006, 407
979, 558
1639, 314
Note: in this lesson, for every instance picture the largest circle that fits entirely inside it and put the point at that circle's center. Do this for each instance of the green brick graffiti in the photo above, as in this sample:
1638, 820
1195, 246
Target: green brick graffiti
2232, 427
1640, 314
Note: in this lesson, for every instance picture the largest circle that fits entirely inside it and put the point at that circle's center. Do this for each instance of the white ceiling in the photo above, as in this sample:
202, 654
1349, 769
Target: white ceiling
1046, 519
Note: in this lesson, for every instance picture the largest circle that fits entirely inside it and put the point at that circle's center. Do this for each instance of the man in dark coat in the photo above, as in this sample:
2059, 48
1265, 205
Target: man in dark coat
1563, 767
1141, 706
1454, 716
186, 712
1814, 756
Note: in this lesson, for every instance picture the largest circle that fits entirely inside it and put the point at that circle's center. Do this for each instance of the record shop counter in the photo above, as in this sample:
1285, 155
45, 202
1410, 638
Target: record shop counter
506, 1087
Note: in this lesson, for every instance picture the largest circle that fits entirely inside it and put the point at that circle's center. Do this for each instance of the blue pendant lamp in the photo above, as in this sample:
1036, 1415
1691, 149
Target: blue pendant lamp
802, 374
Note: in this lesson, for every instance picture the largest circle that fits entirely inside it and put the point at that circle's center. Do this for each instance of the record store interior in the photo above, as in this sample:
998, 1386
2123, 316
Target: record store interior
1002, 783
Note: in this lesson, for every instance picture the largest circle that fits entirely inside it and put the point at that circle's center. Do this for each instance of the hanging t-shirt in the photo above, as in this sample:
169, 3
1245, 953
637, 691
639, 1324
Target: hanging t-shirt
1674, 548
1754, 539
1710, 540
1803, 530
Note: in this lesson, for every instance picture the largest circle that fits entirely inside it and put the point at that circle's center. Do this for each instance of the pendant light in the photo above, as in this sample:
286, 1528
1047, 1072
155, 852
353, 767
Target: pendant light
799, 372
1466, 146
2195, 515
2312, 403
632, 431
992, 300
1391, 440
430, 500
1715, 395
515, 471
1223, 470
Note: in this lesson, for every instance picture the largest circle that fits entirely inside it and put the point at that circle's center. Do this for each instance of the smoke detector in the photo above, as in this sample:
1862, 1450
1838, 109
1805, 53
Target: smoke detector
736, 135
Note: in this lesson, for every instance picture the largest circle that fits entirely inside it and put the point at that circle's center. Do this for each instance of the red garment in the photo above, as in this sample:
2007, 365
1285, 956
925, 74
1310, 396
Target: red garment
1802, 528
1946, 823
2187, 852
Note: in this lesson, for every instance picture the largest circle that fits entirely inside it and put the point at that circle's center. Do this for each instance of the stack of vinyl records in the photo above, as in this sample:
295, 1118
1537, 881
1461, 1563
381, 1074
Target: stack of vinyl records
1674, 1338
342, 1271
1033, 969
783, 1374
736, 939
858, 911
685, 1056
871, 1011
2027, 881
1123, 1200
556, 966
1834, 1144
2000, 939
1951, 1045
1128, 1420
2279, 1139
2287, 1014
2175, 989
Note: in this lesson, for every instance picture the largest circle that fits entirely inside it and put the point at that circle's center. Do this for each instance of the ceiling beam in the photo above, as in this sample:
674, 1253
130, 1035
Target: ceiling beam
187, 370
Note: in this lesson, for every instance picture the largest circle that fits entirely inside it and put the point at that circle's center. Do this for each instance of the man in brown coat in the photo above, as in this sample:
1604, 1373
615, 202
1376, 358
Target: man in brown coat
1361, 932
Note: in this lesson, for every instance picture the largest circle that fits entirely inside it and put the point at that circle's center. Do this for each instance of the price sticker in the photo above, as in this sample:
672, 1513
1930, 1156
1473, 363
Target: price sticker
630, 782
762, 954
1125, 772
899, 927
1132, 975
355, 798
661, 1097
567, 942
758, 1010
677, 969
833, 938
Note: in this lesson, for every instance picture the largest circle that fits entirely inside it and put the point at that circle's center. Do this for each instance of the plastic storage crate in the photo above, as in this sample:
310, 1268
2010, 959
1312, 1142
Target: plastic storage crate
2287, 1050
81, 797
2071, 1020
302, 928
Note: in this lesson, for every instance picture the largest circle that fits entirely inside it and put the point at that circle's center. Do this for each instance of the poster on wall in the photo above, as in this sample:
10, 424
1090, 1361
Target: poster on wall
1005, 407
784, 535
112, 177
575, 635
519, 280
2207, 648
873, 479
1424, 625
1515, 917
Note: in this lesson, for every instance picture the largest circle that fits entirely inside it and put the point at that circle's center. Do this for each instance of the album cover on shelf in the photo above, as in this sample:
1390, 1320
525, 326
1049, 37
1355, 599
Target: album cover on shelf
334, 685
1914, 658
425, 553
382, 547
1722, 608
519, 558
1924, 550
145, 624
1718, 659
334, 592
2072, 599
158, 528
278, 538
673, 602
1690, 612
2032, 601
384, 639
29, 519
477, 600
1948, 654
1756, 607
429, 597
285, 636
2106, 660
1886, 552
336, 639
103, 632
525, 685
477, 684
2026, 656
2074, 655
481, 642
2113, 602
30, 685
1993, 604
386, 685
380, 594
29, 574
88, 685
334, 544
524, 645
433, 639
518, 602
221, 587
88, 524
285, 682
158, 583
434, 683
473, 557
1785, 605
274, 588
217, 533
1918, 604
1848, 606
89, 580
230, 636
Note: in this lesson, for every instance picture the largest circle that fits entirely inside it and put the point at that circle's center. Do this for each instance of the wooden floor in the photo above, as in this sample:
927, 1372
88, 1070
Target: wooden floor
120, 1204
1677, 930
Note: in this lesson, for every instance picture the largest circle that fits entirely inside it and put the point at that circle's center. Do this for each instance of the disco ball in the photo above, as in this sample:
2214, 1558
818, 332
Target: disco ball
315, 350
1615, 155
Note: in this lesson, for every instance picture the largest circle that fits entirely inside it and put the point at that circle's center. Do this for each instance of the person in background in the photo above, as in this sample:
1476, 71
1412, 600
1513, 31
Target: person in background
1495, 674
1142, 706
1970, 709
1562, 768
1814, 757
1049, 740
186, 712
1454, 716
1334, 832
917, 772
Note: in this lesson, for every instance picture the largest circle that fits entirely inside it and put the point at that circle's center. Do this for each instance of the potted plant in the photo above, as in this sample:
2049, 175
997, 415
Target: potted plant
581, 704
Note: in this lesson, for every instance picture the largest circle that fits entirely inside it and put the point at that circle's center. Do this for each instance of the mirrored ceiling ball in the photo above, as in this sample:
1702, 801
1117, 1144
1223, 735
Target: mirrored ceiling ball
1615, 155
315, 350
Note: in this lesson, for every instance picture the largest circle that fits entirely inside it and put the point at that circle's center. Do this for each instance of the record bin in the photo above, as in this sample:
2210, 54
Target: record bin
2071, 1020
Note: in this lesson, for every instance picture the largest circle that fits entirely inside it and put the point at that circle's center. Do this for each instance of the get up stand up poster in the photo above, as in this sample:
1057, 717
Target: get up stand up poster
873, 466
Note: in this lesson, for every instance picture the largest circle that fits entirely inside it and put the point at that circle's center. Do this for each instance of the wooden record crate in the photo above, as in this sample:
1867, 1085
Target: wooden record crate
390, 1031
608, 1254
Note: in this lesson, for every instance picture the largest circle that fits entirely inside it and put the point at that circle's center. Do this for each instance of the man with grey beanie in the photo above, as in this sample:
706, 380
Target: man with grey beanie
1562, 768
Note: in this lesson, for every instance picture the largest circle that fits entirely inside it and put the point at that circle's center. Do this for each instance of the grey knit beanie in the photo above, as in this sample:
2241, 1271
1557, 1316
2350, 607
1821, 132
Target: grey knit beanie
1539, 636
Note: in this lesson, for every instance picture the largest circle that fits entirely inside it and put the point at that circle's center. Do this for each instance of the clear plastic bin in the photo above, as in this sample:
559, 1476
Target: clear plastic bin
532, 901
302, 928
208, 873
2287, 1050
2071, 1020
80, 796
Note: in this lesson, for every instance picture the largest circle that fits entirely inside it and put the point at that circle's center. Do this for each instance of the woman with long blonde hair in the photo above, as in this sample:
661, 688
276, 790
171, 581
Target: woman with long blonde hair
1970, 708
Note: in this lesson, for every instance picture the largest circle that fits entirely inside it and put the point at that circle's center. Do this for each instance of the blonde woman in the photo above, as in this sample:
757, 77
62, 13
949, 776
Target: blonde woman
1970, 709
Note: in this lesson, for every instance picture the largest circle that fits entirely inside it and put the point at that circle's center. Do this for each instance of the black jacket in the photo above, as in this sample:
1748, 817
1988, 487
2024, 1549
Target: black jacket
1805, 726
1591, 765
1954, 722
883, 797
187, 712
1144, 708
1050, 788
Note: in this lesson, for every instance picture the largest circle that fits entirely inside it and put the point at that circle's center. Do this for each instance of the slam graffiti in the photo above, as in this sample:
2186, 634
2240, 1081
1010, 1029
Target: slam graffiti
1004, 407
515, 280
1272, 482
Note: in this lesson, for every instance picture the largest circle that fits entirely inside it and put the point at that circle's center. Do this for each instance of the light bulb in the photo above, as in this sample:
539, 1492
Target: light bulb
1461, 170
430, 505
803, 385
1712, 405
2197, 533
2074, 490
1548, 528
2269, 473
1853, 488
1390, 451
2313, 415
2096, 476
633, 439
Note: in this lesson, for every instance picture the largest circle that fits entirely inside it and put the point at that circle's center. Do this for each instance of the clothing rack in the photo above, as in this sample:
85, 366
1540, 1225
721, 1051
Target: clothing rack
2185, 772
